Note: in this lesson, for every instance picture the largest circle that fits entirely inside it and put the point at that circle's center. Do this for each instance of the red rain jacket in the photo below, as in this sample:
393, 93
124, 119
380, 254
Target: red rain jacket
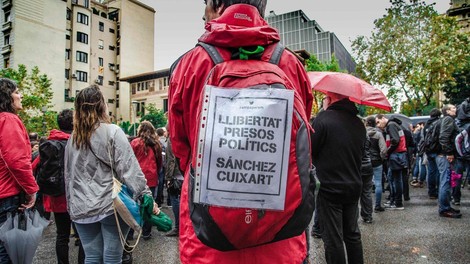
15, 158
147, 161
240, 25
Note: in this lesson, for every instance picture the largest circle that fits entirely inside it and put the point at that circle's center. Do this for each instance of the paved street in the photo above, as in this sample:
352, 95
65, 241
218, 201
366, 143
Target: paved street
415, 235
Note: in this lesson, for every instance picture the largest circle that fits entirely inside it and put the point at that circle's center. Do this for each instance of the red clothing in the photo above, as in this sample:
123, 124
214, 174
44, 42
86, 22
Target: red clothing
15, 152
186, 87
56, 204
147, 161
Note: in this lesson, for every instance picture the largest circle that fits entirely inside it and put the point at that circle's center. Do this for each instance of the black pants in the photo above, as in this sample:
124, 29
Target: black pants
338, 222
63, 225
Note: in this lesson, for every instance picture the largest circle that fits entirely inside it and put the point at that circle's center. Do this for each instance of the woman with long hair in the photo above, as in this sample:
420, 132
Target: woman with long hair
148, 152
97, 152
16, 175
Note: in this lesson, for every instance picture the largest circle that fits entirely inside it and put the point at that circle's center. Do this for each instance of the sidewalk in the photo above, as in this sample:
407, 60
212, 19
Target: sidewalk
414, 235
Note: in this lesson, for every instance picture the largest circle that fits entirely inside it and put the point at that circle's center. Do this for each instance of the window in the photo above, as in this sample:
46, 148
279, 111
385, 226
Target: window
6, 40
165, 105
67, 73
101, 26
82, 37
82, 76
67, 54
111, 66
82, 57
6, 63
111, 83
111, 47
7, 16
110, 101
67, 37
100, 44
86, 3
100, 61
74, 1
111, 30
99, 80
68, 14
82, 18
103, 14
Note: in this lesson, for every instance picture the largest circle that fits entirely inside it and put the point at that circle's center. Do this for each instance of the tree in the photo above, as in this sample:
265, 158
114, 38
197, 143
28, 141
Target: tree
412, 52
313, 64
458, 90
37, 95
155, 116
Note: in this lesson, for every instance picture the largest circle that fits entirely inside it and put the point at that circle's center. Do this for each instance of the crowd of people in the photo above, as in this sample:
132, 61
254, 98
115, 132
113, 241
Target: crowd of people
352, 157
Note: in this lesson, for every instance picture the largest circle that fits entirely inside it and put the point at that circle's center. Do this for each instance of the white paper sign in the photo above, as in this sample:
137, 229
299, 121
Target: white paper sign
243, 148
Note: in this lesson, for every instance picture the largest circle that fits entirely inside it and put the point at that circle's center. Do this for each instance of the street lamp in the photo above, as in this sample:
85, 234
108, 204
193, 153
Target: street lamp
44, 128
134, 116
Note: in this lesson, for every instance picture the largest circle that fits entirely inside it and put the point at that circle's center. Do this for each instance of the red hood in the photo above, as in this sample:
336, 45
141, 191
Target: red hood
58, 135
240, 25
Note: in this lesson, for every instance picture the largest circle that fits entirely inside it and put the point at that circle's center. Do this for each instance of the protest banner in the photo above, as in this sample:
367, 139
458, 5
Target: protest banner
243, 148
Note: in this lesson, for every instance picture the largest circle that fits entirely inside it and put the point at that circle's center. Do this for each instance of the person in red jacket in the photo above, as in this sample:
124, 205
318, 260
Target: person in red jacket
16, 175
228, 24
148, 152
58, 204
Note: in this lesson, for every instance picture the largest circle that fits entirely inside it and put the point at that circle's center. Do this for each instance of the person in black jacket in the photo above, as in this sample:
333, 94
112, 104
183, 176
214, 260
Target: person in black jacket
433, 173
446, 160
337, 149
367, 174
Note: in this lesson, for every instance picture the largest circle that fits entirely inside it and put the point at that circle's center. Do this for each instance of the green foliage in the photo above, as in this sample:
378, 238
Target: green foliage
125, 126
37, 95
313, 64
457, 90
412, 52
155, 116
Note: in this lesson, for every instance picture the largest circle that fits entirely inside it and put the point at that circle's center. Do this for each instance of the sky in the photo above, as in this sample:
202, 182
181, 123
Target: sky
178, 23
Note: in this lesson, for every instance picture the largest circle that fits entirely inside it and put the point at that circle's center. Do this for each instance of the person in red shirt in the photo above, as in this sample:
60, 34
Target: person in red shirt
16, 175
148, 152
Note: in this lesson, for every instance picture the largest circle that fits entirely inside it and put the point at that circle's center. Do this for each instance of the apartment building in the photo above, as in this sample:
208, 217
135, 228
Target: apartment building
298, 32
78, 43
461, 10
148, 88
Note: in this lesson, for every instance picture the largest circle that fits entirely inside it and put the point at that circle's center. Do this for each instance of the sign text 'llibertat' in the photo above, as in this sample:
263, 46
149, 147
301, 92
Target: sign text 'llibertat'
248, 138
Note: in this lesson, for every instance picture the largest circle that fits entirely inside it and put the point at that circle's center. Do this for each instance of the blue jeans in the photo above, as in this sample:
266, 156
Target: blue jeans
101, 240
396, 187
433, 175
419, 171
7, 205
175, 206
378, 185
444, 183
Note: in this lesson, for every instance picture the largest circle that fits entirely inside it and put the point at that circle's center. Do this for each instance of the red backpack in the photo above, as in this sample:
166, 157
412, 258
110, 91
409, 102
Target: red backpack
253, 183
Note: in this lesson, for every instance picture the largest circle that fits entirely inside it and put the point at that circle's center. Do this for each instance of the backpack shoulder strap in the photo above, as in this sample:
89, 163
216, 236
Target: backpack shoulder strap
217, 58
212, 51
277, 53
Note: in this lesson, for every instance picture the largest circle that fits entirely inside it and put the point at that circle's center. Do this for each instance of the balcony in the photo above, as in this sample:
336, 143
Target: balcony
6, 26
6, 49
6, 4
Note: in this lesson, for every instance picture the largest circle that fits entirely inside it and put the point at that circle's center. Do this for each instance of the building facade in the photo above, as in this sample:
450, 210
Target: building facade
80, 42
461, 10
298, 32
148, 88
